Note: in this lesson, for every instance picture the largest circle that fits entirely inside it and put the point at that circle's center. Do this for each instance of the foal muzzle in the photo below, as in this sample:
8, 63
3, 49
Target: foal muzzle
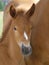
26, 51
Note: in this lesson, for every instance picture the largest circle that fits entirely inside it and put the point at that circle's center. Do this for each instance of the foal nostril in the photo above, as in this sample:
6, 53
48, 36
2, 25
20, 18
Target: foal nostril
26, 50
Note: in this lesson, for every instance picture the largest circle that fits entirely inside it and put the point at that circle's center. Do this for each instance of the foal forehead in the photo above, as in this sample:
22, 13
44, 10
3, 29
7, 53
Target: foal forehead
22, 23
21, 20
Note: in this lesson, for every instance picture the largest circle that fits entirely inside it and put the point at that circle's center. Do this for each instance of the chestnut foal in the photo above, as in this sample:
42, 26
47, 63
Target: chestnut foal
16, 35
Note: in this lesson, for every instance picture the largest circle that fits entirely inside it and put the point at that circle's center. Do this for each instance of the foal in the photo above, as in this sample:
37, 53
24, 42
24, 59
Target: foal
16, 36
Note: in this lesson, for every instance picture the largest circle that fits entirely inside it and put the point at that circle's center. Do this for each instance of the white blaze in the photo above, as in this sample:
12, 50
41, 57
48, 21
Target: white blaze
25, 36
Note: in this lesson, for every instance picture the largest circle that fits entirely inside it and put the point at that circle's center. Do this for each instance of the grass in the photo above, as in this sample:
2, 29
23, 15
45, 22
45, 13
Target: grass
1, 23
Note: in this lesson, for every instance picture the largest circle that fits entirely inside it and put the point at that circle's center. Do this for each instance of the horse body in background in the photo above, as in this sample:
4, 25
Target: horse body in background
40, 35
16, 35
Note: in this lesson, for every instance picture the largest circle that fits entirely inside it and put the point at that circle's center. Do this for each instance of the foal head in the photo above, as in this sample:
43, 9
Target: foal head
21, 27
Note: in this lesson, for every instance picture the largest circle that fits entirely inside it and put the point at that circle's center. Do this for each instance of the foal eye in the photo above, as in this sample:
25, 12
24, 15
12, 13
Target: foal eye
15, 28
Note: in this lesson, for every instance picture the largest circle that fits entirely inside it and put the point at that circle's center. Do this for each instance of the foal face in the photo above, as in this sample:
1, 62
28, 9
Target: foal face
22, 28
22, 33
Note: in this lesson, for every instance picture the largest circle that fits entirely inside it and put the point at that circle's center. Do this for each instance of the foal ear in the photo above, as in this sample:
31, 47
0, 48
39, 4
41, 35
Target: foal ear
30, 12
12, 11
